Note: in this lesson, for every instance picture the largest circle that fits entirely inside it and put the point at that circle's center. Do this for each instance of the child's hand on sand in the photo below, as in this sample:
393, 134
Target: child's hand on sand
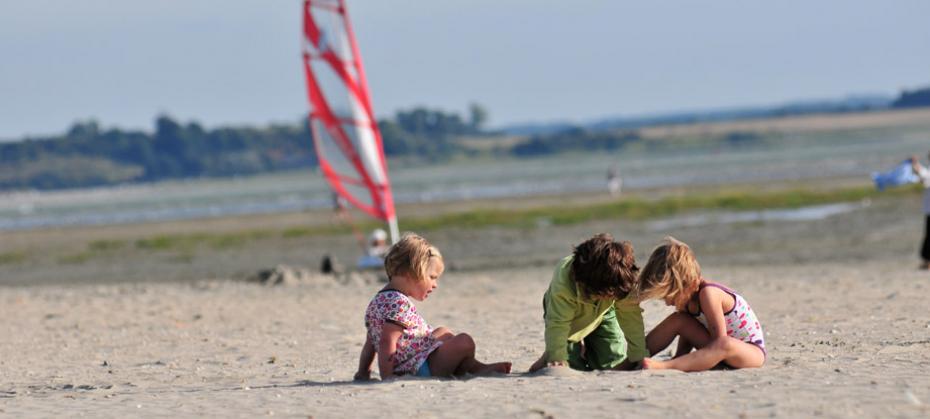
541, 363
362, 376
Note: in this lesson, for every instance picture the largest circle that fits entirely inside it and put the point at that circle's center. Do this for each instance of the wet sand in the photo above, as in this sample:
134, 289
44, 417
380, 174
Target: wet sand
158, 334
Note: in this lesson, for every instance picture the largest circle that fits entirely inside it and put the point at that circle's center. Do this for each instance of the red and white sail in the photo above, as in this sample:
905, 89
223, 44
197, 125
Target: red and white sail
345, 132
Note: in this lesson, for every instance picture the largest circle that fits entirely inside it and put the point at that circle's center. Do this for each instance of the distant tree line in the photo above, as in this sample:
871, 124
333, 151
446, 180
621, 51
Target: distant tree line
87, 155
574, 139
913, 99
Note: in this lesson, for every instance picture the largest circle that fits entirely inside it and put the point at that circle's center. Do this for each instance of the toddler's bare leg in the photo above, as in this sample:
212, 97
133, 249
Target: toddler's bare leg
456, 356
442, 333
684, 326
684, 348
736, 353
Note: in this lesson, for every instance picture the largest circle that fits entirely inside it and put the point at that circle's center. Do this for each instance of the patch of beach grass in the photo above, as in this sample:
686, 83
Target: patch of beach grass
11, 258
95, 249
184, 257
76, 258
106, 245
231, 240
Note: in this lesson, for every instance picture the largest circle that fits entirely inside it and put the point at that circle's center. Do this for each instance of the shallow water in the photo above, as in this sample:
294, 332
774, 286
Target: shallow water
795, 158
810, 213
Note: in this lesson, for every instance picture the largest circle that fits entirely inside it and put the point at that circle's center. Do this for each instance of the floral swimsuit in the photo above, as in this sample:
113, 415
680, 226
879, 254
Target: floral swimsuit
415, 343
741, 321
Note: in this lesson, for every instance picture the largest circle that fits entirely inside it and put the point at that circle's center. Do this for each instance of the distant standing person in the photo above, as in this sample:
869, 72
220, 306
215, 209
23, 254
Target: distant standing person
375, 251
614, 181
340, 213
924, 174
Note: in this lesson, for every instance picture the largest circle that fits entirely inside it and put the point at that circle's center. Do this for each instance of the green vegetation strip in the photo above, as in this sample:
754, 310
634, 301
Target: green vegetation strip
638, 208
12, 257
629, 207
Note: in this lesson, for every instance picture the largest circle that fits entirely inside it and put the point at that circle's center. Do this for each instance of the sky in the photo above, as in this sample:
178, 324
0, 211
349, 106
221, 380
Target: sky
237, 62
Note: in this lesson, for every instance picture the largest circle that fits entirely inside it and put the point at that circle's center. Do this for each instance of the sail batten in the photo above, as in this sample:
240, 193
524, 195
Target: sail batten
345, 133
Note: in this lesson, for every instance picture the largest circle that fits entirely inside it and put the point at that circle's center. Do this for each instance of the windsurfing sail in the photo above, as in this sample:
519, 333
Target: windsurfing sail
345, 133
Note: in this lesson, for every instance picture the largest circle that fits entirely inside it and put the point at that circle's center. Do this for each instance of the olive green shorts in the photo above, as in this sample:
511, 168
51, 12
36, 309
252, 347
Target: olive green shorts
604, 348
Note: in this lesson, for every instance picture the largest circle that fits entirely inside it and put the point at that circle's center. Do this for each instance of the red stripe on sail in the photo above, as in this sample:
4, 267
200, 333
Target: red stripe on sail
335, 130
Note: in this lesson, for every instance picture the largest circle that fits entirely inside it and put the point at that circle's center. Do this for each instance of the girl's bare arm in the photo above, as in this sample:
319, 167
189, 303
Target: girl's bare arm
365, 360
712, 305
390, 333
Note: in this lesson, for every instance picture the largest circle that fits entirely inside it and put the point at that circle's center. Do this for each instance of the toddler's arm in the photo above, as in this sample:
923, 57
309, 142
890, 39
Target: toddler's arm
559, 312
390, 333
630, 317
711, 299
365, 360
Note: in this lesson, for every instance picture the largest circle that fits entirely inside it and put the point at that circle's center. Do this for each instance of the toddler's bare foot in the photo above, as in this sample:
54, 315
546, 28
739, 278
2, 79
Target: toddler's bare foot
652, 364
497, 367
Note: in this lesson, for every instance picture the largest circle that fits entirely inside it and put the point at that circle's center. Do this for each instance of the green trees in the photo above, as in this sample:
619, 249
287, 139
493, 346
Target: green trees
88, 155
424, 133
913, 98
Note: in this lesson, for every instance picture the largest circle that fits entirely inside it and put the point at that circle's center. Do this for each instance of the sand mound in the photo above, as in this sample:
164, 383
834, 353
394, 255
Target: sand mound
284, 275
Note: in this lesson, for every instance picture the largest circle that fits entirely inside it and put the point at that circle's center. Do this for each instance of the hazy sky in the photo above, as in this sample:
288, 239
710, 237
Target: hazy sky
238, 62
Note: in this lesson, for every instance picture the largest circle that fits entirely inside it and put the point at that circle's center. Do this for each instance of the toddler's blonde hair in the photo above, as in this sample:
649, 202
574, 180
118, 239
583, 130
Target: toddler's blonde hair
672, 272
410, 256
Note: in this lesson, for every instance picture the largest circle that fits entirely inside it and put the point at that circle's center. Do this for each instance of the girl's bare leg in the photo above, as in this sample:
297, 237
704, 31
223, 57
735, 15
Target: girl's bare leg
682, 325
734, 352
442, 333
684, 347
456, 356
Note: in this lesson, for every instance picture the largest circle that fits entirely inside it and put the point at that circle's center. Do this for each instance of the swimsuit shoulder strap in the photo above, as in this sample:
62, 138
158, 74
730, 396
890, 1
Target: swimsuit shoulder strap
716, 285
725, 289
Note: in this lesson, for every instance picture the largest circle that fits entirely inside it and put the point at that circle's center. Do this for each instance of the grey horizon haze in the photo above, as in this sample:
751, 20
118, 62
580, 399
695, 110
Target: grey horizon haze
238, 62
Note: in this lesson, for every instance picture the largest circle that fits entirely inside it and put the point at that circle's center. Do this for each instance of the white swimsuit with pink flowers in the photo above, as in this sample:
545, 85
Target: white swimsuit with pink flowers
741, 321
415, 343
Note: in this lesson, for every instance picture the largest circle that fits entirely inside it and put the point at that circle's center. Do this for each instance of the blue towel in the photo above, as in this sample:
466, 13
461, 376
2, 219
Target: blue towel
902, 174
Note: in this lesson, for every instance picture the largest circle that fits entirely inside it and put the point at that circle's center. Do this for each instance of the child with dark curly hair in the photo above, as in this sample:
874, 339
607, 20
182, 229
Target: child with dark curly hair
593, 322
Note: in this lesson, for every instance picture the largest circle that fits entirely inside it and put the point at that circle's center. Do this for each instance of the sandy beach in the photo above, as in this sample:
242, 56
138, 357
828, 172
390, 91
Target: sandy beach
184, 333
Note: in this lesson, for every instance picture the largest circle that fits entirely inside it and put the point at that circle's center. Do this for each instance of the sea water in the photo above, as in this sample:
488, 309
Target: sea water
460, 180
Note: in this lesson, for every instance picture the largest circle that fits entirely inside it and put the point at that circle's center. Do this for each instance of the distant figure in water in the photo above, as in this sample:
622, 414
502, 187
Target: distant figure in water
399, 338
709, 317
375, 250
614, 181
924, 174
339, 207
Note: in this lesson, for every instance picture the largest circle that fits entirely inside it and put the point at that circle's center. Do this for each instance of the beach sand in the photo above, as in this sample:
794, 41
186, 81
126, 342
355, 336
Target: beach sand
148, 333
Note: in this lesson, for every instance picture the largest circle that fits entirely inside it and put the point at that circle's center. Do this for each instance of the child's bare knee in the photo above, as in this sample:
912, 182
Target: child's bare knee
725, 344
679, 317
465, 342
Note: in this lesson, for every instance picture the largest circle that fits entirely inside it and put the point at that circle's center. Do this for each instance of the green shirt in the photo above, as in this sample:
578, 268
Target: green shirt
570, 316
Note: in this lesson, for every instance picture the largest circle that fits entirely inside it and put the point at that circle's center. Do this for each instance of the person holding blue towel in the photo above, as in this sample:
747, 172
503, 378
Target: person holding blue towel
924, 176
902, 174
